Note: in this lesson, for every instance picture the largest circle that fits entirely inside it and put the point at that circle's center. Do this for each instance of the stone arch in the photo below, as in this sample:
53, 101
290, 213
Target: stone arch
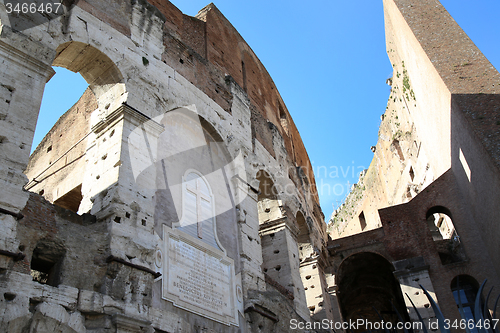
303, 228
61, 152
280, 256
365, 281
440, 223
267, 188
303, 238
94, 66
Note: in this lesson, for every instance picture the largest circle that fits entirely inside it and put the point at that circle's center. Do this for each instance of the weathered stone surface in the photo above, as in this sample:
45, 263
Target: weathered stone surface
118, 158
172, 96
436, 133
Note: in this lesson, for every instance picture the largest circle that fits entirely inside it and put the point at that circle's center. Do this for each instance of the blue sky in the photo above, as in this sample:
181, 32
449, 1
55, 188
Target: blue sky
329, 63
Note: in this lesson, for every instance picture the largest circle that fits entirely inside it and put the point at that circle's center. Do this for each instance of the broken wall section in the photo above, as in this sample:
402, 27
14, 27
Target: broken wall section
61, 155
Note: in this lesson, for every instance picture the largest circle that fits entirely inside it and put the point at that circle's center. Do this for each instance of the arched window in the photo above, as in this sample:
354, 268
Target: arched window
446, 238
440, 223
464, 288
198, 217
269, 205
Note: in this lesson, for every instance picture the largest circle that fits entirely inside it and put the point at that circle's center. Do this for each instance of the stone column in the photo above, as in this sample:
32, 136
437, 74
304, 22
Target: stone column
316, 288
280, 253
332, 292
411, 273
250, 247
26, 67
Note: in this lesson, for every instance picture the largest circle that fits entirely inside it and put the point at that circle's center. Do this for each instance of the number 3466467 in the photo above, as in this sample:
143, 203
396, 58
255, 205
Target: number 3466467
32, 8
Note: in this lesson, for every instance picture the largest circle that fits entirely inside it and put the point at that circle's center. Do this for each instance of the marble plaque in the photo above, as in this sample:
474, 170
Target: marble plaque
198, 277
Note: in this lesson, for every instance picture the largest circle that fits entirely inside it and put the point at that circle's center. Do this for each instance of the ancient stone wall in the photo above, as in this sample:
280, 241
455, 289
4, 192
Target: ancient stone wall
436, 154
179, 118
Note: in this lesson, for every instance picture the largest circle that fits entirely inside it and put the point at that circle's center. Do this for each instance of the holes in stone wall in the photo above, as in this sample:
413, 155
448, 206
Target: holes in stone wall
9, 296
362, 220
397, 147
33, 304
127, 215
283, 118
117, 219
244, 72
143, 222
49, 148
46, 262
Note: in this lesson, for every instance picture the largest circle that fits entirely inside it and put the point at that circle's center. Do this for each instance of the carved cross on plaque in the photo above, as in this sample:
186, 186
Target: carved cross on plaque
199, 190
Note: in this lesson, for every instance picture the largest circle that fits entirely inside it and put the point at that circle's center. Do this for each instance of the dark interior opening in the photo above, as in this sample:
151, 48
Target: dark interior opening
46, 263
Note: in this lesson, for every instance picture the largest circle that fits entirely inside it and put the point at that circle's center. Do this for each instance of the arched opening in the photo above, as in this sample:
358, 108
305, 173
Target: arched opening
303, 239
83, 75
267, 190
446, 239
367, 288
275, 261
464, 288
268, 203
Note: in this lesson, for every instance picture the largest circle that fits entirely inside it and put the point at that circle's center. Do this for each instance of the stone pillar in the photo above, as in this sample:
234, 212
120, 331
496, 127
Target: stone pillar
316, 288
411, 273
26, 67
332, 292
250, 245
119, 183
280, 253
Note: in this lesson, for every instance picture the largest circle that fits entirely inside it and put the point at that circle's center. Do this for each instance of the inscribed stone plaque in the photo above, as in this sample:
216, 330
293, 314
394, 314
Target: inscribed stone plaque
198, 277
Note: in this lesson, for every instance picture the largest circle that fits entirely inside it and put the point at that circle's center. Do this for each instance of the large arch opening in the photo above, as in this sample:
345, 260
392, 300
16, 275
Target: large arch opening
85, 77
368, 290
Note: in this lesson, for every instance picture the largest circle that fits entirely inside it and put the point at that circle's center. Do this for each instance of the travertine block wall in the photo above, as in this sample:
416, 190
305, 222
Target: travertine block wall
141, 62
